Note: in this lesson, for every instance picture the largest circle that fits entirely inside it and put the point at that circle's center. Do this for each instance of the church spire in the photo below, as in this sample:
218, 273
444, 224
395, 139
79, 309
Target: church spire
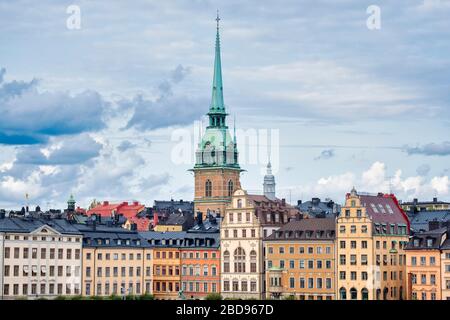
217, 108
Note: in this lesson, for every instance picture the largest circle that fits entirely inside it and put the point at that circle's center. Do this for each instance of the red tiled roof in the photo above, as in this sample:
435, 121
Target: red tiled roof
127, 209
143, 224
384, 208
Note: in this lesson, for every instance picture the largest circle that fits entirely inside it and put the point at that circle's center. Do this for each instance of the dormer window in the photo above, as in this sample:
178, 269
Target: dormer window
429, 243
416, 242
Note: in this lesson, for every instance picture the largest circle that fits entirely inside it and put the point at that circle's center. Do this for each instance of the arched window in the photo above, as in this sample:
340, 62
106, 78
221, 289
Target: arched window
378, 294
226, 261
208, 188
239, 260
353, 294
343, 294
239, 203
230, 188
253, 261
365, 294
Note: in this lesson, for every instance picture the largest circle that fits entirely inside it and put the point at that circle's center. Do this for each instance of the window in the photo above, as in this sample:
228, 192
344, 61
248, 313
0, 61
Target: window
302, 283
208, 188
342, 244
342, 229
342, 259
353, 244
353, 294
342, 275
364, 229
226, 285
226, 261
353, 259
353, 229
230, 188
413, 261
432, 261
253, 261
343, 294
328, 283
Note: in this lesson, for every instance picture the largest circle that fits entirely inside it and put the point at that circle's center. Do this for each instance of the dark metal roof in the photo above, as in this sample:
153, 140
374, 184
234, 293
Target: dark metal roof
27, 225
306, 229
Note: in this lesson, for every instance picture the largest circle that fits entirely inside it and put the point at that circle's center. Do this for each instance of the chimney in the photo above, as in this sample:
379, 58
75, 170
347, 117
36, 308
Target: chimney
199, 218
415, 201
136, 203
2, 214
105, 203
299, 202
434, 199
155, 219
283, 202
94, 224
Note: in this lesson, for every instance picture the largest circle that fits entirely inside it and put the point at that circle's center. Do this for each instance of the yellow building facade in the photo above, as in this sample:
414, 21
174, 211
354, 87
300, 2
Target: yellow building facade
116, 263
300, 260
372, 231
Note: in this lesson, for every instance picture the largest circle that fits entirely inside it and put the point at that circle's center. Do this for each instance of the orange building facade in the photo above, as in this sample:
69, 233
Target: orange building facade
424, 265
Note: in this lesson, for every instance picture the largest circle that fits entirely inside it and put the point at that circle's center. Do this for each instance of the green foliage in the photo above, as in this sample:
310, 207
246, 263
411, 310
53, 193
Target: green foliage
130, 297
146, 296
78, 297
290, 297
114, 297
96, 298
213, 296
61, 298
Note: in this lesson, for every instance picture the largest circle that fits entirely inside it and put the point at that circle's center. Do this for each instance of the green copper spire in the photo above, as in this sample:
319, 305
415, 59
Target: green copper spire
217, 108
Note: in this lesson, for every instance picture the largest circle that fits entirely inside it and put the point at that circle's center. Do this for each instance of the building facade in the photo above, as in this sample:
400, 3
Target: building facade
39, 258
423, 265
300, 260
247, 221
372, 231
116, 261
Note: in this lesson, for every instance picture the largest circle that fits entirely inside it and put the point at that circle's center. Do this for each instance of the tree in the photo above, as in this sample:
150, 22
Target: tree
213, 296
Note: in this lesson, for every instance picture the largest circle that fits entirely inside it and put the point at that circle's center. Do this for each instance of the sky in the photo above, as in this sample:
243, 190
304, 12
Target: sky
111, 108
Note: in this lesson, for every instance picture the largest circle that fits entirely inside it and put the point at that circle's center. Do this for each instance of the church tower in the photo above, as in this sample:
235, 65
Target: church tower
269, 183
216, 169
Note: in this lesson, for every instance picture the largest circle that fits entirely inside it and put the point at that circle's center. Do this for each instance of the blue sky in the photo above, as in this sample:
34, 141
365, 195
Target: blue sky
94, 111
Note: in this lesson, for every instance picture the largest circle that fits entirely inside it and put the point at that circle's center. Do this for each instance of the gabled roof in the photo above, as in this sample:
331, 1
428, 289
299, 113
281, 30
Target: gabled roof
384, 209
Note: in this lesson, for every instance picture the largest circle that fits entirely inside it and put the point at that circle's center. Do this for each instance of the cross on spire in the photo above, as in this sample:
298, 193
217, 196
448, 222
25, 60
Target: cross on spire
218, 19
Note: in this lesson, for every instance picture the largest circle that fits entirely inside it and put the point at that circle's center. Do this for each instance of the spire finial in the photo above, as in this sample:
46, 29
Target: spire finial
217, 19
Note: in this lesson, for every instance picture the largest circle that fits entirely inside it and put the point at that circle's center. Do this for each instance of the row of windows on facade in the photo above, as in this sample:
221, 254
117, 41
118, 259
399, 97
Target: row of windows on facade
424, 295
401, 259
423, 261
365, 293
199, 287
197, 255
44, 289
242, 288
252, 234
363, 244
107, 289
35, 270
320, 234
119, 242
43, 253
312, 297
115, 272
115, 256
423, 279
379, 229
301, 264
43, 238
198, 270
304, 283
365, 276
301, 250
166, 286
209, 187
